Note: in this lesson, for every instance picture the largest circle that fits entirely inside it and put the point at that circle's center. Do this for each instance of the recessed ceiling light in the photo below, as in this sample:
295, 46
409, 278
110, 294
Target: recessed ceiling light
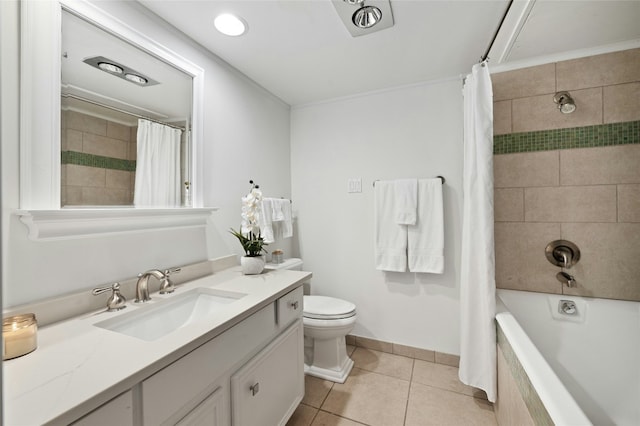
135, 78
366, 17
230, 25
120, 70
106, 66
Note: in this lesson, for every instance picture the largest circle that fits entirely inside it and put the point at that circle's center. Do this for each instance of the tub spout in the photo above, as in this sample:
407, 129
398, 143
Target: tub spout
567, 279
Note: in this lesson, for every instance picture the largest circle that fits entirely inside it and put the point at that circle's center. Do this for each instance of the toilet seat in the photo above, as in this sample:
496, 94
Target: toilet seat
327, 308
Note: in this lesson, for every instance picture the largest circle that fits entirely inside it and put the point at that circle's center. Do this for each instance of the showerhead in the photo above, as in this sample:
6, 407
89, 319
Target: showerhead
565, 102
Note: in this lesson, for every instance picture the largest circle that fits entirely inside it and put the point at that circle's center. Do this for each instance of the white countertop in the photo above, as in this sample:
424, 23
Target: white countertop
78, 366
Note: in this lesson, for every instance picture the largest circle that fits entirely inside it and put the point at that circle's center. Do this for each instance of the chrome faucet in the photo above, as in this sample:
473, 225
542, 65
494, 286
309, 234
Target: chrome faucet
142, 286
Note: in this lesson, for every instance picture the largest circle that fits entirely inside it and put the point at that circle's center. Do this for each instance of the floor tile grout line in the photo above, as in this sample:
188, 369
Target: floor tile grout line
343, 417
406, 405
327, 395
455, 392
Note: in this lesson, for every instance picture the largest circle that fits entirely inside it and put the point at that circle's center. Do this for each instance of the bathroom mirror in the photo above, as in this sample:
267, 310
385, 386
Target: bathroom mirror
107, 86
41, 124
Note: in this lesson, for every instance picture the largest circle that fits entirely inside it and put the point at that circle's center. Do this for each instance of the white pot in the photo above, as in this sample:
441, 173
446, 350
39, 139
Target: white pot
252, 265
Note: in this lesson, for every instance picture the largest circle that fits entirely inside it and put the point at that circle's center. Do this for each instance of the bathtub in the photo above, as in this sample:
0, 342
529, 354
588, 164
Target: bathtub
584, 365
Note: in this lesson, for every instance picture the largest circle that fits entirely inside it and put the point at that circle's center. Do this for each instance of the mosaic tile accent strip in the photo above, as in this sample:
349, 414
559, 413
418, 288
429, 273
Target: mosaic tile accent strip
90, 160
575, 137
529, 395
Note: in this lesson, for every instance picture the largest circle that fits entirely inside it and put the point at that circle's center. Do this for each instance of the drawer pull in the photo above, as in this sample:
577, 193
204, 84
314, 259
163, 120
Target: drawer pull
294, 305
255, 389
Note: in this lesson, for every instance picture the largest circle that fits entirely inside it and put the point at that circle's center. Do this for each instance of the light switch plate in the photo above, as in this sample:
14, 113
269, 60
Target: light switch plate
354, 185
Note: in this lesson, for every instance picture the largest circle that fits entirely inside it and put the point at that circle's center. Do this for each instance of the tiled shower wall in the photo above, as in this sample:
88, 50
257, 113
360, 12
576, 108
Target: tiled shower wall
98, 161
569, 176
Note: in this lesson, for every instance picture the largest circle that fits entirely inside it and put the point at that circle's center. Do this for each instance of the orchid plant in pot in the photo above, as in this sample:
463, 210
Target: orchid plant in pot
249, 234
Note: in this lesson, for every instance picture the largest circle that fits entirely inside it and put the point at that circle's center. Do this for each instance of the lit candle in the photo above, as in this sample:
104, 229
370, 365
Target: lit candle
19, 335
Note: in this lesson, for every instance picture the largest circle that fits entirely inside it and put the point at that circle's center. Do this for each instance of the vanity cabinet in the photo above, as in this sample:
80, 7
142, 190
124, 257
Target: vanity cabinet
202, 386
118, 411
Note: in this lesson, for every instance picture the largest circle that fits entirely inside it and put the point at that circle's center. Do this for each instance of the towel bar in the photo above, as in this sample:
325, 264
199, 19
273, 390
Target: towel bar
441, 178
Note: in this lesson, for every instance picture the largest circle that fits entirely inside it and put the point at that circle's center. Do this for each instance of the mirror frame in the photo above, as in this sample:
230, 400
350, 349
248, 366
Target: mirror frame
40, 165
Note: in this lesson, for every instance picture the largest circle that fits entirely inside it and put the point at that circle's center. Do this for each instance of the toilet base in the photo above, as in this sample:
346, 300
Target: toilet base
338, 375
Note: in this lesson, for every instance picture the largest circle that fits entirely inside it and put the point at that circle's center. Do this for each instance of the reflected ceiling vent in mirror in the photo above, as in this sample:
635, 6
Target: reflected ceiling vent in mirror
114, 68
362, 17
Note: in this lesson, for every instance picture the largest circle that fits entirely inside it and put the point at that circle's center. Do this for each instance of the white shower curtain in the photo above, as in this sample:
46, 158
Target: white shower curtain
477, 277
157, 166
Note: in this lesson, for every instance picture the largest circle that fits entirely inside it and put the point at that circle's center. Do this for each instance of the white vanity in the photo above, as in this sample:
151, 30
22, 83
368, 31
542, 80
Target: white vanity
240, 364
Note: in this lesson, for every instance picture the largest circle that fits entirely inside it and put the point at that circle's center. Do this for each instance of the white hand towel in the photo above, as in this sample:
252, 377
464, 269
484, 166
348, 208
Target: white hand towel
426, 237
278, 214
406, 201
284, 225
390, 237
265, 221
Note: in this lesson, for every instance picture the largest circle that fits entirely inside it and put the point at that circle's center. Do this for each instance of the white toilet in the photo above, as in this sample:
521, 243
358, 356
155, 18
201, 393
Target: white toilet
326, 322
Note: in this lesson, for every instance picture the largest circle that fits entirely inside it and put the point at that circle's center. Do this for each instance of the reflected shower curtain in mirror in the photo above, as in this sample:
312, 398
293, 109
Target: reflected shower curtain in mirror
477, 275
157, 166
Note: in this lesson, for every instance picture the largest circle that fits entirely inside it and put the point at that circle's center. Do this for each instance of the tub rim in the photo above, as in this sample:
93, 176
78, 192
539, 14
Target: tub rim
559, 403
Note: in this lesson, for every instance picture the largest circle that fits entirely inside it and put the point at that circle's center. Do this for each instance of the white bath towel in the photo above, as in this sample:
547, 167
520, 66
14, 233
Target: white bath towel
265, 220
426, 237
406, 201
390, 237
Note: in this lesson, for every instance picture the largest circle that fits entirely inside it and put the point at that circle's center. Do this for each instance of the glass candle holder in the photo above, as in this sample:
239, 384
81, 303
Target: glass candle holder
19, 335
277, 256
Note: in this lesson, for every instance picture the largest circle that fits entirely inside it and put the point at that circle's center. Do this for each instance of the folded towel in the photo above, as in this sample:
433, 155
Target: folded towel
406, 201
426, 237
265, 221
390, 237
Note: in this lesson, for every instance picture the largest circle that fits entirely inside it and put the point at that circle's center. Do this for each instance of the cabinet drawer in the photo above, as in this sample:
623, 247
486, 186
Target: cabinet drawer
289, 307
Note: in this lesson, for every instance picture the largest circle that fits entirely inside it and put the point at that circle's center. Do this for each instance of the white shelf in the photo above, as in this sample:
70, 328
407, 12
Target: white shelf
77, 223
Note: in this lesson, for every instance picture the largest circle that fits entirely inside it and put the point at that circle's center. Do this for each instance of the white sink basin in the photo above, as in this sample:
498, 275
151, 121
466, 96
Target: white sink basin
157, 319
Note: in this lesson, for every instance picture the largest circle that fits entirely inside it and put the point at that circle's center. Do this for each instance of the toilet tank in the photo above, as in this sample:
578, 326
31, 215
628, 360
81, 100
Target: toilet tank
292, 263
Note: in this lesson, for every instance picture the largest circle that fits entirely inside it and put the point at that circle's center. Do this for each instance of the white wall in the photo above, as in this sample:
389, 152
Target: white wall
246, 136
408, 132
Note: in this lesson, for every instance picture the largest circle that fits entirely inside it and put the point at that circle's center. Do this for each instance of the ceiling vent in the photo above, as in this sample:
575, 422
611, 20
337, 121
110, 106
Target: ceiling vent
364, 16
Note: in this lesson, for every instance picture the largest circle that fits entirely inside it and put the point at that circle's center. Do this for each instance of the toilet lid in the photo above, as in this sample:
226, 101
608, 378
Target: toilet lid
323, 307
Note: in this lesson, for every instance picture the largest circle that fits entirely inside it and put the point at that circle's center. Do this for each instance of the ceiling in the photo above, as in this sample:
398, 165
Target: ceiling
301, 51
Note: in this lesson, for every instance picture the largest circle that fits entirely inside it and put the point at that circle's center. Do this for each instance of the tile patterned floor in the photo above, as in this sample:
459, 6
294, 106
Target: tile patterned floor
392, 390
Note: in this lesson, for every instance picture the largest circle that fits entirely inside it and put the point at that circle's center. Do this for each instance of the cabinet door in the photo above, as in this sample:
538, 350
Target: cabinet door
210, 412
118, 411
267, 389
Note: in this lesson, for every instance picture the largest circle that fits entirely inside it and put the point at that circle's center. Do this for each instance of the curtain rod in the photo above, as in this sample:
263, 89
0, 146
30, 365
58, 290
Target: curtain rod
80, 98
495, 35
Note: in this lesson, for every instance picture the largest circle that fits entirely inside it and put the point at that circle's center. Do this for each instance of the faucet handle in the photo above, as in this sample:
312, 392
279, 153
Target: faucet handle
117, 301
168, 272
166, 286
